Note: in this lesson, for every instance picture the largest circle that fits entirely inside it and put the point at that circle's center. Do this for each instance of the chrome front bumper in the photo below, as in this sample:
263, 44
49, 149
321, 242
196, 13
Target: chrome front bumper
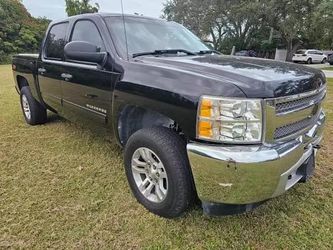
250, 174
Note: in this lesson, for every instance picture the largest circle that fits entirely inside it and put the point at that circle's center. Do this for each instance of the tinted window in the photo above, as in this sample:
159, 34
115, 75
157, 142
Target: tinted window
87, 31
55, 41
301, 52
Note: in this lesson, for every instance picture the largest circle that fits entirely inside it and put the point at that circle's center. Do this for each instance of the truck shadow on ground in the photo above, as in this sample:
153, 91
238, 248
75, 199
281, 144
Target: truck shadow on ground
54, 118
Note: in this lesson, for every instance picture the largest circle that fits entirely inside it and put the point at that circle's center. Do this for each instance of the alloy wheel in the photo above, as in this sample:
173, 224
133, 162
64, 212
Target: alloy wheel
149, 175
26, 107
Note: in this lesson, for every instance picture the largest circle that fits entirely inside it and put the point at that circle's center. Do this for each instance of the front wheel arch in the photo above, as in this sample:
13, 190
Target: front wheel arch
169, 147
134, 118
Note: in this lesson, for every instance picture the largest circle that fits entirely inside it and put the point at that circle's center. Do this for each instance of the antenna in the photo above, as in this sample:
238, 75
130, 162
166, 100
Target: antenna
126, 42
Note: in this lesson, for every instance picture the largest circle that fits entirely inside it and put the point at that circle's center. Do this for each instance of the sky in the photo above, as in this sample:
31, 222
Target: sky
55, 9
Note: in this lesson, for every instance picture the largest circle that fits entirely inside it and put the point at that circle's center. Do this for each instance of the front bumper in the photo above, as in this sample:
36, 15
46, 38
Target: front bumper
251, 174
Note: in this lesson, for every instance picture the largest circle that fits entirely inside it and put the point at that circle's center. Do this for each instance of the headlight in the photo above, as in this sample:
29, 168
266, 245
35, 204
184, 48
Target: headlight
230, 120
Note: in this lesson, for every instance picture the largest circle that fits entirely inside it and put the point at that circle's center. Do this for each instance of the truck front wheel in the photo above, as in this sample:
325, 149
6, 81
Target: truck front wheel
34, 113
158, 171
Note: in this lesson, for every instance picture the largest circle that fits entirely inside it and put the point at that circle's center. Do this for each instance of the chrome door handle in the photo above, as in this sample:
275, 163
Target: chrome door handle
42, 71
67, 77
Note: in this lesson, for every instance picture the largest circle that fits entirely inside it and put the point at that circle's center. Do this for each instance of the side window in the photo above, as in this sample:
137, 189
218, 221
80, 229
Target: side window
87, 31
56, 41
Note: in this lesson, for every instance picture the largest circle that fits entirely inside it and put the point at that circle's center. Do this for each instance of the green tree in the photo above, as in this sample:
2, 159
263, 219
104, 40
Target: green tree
293, 20
77, 7
19, 31
256, 24
223, 23
323, 25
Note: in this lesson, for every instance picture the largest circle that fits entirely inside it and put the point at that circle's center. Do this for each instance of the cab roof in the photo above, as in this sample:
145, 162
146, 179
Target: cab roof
102, 14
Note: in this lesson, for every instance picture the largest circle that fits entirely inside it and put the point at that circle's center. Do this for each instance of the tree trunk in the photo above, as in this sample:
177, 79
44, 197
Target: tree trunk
291, 49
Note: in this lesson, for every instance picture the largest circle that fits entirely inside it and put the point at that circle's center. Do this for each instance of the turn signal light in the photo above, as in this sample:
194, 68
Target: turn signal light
205, 129
206, 108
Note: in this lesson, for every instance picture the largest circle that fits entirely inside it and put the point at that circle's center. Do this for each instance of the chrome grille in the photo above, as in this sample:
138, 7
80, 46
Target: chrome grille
293, 128
289, 117
296, 104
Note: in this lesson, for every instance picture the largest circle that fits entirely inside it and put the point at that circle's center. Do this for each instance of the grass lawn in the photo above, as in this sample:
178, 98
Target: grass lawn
63, 187
328, 68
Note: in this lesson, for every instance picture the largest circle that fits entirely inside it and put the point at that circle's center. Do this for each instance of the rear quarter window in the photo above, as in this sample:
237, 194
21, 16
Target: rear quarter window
301, 52
56, 41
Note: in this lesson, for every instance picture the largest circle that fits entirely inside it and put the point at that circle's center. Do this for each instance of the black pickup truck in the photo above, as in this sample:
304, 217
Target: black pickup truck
231, 131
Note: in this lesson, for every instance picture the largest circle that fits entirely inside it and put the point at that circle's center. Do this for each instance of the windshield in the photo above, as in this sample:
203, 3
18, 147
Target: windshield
148, 35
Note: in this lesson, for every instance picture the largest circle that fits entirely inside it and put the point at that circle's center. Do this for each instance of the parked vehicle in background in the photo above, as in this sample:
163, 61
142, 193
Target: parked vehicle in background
248, 53
231, 131
330, 58
309, 56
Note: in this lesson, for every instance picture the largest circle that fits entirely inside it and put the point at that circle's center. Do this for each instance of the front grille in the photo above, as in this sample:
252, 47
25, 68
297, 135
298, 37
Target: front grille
296, 104
293, 128
289, 117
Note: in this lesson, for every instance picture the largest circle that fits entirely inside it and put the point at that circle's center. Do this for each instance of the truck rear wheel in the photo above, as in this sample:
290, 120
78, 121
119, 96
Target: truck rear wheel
34, 113
158, 171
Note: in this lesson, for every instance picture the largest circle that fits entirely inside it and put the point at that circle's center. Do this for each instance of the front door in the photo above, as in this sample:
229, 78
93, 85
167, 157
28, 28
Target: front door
87, 89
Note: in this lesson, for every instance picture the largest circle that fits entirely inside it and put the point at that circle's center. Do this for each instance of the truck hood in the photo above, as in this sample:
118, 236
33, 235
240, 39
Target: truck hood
256, 78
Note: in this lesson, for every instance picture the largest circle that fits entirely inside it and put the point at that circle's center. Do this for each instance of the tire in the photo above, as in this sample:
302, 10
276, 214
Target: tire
174, 194
33, 112
331, 63
309, 61
324, 61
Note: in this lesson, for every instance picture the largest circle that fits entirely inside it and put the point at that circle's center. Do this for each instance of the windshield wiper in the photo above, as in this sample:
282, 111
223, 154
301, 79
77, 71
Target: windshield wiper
211, 51
165, 51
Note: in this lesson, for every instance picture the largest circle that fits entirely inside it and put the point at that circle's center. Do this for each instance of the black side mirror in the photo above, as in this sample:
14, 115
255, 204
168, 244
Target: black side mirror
84, 51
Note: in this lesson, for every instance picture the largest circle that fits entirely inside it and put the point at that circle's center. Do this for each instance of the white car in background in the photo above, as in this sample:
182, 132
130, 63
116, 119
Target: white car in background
309, 56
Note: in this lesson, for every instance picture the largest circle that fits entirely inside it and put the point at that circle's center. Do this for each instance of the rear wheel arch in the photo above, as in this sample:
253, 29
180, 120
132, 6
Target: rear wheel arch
133, 118
34, 113
22, 82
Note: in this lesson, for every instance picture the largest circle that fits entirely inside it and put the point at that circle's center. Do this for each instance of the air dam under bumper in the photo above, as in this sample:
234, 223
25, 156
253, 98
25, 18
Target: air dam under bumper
251, 174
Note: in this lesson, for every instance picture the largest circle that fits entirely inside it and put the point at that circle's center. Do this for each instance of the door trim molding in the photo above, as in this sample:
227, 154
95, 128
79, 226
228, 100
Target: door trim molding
85, 108
70, 64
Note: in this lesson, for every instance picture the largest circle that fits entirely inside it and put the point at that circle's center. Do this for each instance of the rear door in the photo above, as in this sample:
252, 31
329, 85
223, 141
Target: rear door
320, 55
50, 66
87, 89
316, 57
